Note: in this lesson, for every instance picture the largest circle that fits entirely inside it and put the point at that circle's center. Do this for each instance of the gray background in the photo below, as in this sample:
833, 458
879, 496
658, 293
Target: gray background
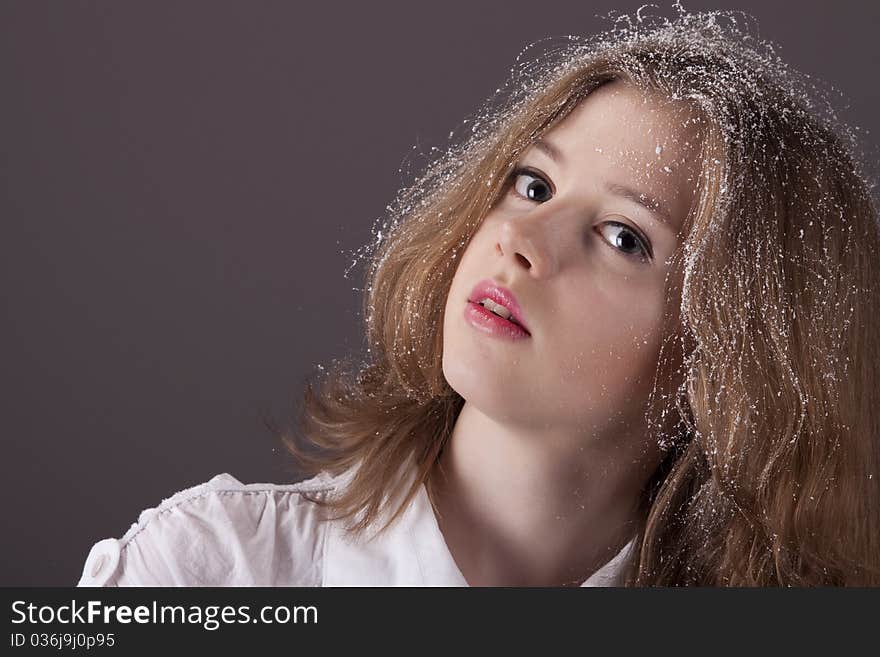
183, 185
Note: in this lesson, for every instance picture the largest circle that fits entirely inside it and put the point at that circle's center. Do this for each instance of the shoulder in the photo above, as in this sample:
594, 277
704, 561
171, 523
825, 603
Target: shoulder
220, 533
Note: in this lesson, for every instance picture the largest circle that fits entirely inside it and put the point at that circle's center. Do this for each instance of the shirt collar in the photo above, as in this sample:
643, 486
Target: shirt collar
413, 552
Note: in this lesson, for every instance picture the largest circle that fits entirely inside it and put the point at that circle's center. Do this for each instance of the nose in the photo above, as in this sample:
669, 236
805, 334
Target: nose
528, 243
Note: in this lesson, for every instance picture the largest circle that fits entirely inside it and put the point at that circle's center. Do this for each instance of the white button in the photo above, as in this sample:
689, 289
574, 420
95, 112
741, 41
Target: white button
100, 562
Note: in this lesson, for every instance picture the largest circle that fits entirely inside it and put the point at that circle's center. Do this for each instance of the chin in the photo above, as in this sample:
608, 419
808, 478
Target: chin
454, 374
491, 393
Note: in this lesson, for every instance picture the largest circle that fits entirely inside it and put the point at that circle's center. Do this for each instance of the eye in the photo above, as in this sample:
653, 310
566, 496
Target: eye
530, 185
627, 240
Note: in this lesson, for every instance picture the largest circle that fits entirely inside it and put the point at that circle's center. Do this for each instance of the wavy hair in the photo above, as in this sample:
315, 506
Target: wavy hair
766, 391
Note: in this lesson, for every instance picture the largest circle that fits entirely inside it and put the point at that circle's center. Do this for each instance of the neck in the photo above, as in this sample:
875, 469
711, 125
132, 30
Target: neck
520, 507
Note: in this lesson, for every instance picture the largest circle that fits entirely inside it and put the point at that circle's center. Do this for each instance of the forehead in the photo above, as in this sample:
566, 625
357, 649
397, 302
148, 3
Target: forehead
634, 120
623, 134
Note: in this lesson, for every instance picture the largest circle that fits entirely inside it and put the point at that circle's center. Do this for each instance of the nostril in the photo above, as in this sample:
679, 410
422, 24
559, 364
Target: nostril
524, 260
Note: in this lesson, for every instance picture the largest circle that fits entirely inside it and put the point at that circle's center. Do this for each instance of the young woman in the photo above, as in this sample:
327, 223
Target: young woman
624, 333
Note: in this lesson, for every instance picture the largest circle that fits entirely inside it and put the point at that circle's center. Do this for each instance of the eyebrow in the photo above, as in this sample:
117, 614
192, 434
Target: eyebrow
549, 150
651, 204
647, 201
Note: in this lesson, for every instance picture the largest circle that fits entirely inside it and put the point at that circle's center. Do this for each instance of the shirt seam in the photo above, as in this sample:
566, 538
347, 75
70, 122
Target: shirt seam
328, 534
162, 510
417, 551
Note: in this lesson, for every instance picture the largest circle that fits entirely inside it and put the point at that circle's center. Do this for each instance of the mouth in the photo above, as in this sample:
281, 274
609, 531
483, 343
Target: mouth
498, 310
500, 302
488, 322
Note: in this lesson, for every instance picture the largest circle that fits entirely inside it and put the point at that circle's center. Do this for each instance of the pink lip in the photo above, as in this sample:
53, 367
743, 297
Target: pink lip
488, 322
487, 289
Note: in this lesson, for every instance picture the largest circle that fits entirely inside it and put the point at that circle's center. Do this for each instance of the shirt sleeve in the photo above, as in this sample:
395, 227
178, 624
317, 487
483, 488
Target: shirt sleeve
220, 533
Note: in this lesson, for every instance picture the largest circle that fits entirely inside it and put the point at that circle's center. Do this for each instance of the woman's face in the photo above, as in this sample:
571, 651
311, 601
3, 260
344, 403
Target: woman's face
587, 263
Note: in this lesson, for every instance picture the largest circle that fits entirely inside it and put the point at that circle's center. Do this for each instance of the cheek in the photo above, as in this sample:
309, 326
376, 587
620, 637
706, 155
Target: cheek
453, 324
609, 343
470, 266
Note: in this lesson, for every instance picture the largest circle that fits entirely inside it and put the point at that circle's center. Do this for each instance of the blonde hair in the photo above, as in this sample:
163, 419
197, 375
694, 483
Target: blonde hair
766, 390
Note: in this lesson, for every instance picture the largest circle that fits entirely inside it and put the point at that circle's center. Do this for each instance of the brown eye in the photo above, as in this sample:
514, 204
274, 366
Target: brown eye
530, 186
626, 240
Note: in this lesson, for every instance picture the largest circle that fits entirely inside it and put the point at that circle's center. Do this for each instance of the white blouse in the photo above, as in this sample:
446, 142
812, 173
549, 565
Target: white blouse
226, 533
